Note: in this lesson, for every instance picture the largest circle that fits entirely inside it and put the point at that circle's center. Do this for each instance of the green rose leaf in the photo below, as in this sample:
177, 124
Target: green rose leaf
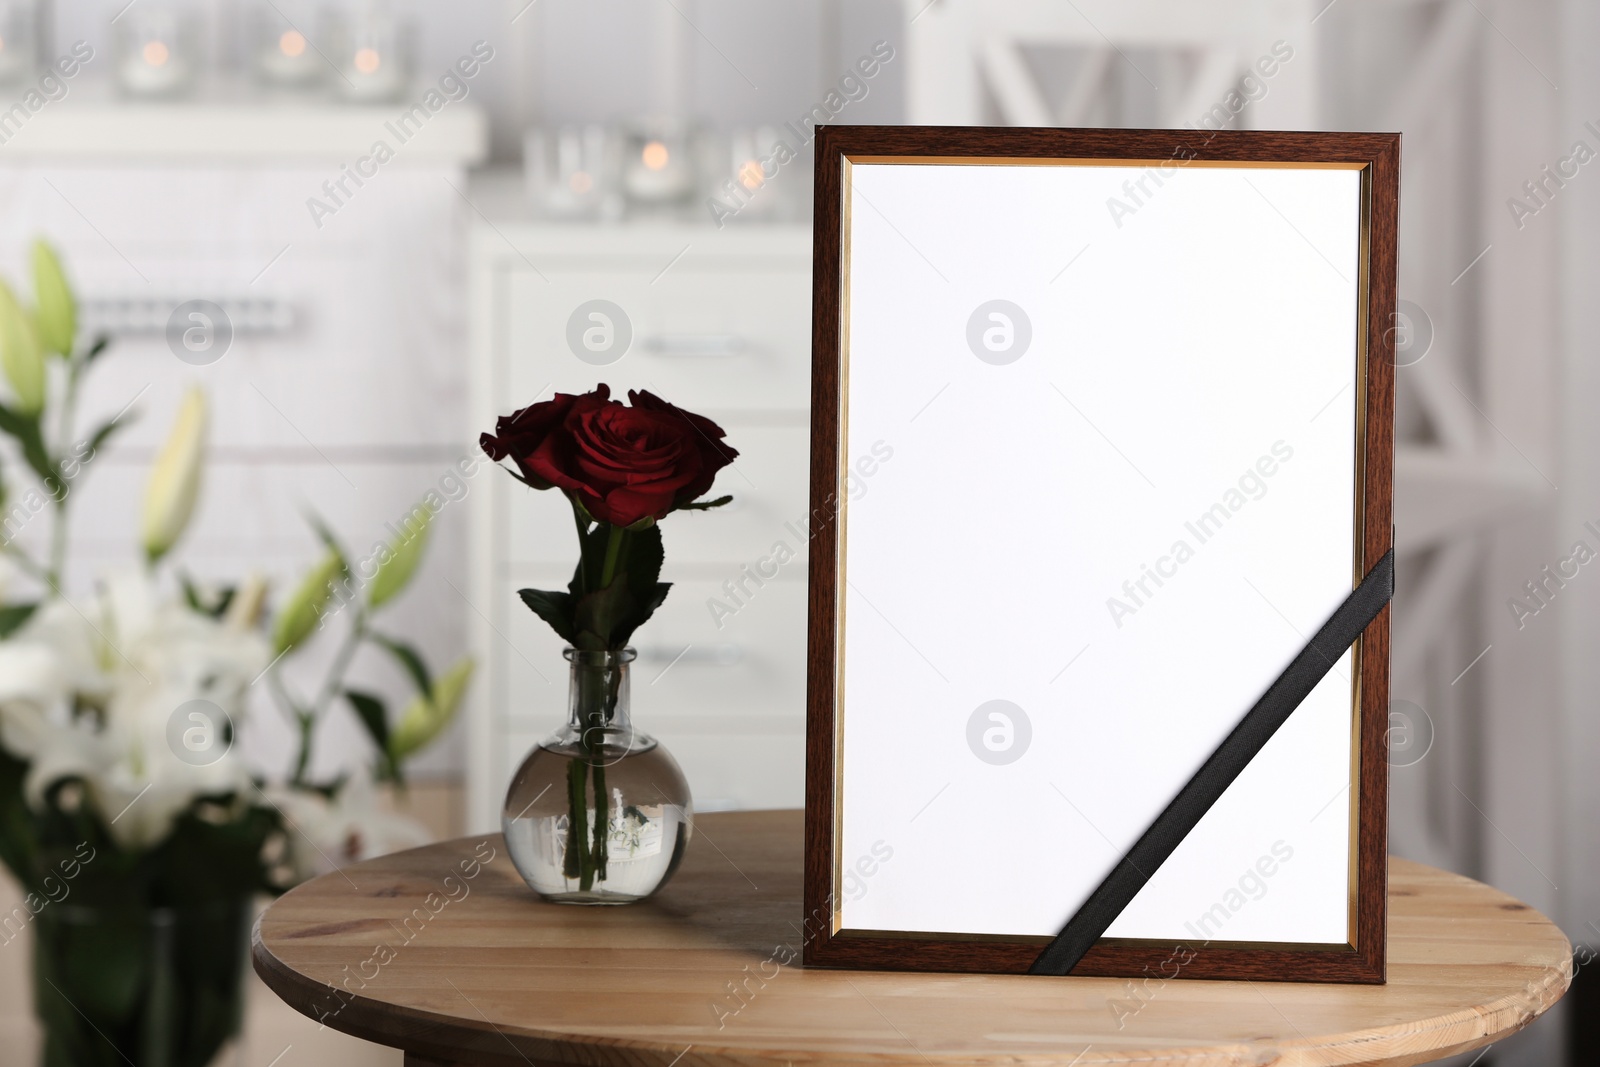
707, 505
607, 618
555, 609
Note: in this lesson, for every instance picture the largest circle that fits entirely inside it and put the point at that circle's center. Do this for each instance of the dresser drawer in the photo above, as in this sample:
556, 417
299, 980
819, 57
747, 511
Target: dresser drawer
768, 483
714, 332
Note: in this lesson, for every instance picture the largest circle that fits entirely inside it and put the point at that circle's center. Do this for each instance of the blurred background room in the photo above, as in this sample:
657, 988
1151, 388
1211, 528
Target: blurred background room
363, 230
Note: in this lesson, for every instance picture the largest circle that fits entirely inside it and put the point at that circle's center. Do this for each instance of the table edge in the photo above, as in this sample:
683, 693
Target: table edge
434, 1034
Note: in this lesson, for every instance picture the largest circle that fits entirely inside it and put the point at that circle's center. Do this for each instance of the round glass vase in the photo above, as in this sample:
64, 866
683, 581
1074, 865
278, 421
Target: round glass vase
599, 812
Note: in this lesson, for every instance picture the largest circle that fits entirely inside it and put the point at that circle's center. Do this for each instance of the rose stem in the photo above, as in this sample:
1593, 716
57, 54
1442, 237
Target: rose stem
576, 863
602, 814
613, 551
602, 807
583, 534
602, 820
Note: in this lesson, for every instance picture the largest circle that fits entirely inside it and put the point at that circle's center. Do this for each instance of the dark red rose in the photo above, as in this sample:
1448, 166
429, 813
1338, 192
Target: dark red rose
622, 463
521, 434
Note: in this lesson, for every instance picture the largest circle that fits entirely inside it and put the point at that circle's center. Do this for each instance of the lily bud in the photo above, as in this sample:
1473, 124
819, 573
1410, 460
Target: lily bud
303, 610
175, 479
20, 356
402, 557
58, 309
245, 607
424, 719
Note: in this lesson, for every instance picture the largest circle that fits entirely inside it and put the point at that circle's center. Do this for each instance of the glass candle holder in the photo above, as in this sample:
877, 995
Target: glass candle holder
284, 58
571, 172
658, 164
373, 56
746, 184
157, 51
19, 41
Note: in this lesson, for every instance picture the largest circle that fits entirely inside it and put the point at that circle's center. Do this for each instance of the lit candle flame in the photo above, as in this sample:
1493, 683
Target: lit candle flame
580, 182
654, 155
751, 176
292, 43
156, 53
367, 60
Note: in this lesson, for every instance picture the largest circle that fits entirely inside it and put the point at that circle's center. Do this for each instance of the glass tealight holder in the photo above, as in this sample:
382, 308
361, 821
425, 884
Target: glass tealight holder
373, 56
571, 172
658, 164
19, 41
283, 57
157, 52
746, 184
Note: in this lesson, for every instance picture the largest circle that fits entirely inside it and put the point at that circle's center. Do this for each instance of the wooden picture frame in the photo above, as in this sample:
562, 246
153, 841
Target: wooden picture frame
945, 155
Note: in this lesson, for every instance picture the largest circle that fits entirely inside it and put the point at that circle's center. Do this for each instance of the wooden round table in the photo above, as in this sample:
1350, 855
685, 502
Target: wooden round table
443, 952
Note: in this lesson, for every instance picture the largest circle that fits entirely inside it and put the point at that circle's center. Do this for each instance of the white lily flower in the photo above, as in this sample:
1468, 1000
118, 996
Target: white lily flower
325, 835
137, 665
34, 695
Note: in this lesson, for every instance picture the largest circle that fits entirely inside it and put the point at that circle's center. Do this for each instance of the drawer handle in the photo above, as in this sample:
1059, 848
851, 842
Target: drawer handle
696, 344
715, 655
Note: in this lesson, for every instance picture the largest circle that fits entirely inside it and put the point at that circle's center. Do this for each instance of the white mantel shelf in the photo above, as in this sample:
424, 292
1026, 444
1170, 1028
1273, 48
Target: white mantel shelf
82, 128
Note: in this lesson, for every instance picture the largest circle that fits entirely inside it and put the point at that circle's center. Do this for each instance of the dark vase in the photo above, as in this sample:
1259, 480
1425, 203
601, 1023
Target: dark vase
160, 987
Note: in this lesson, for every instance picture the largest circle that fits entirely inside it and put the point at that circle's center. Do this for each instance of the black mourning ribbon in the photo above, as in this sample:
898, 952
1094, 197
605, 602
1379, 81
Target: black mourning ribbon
1183, 814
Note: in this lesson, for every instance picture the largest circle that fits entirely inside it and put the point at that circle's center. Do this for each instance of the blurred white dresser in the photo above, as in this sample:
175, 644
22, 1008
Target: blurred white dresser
343, 392
717, 321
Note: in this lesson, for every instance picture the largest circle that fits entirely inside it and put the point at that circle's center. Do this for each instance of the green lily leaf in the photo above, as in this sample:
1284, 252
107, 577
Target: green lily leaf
12, 617
330, 540
374, 715
25, 428
212, 606
97, 348
410, 660
103, 433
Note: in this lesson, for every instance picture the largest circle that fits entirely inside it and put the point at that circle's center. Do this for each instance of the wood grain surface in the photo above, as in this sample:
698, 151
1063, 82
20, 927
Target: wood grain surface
444, 952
